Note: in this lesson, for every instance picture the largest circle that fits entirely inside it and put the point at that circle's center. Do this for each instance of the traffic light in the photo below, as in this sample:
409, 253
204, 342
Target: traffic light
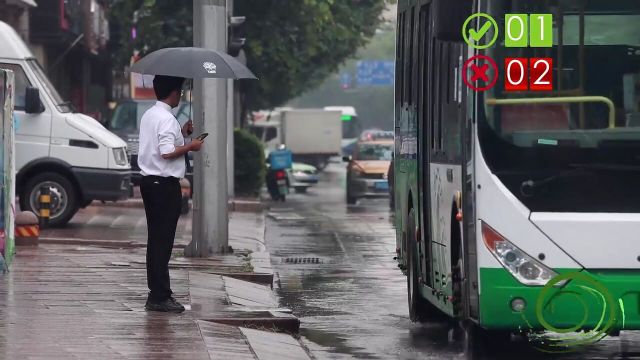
236, 38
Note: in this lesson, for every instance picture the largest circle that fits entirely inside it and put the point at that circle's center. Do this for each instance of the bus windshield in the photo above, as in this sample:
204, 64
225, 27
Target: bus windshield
576, 148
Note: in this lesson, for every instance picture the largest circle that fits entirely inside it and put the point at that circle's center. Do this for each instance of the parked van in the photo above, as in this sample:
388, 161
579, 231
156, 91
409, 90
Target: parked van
70, 153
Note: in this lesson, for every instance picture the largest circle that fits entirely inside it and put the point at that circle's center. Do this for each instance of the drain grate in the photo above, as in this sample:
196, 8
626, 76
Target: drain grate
301, 260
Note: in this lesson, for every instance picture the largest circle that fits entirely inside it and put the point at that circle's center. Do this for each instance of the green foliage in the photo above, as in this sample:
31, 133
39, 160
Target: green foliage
250, 169
292, 45
161, 23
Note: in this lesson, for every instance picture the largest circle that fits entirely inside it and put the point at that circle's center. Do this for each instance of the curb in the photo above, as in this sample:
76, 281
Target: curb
234, 205
256, 278
118, 244
130, 203
254, 206
278, 322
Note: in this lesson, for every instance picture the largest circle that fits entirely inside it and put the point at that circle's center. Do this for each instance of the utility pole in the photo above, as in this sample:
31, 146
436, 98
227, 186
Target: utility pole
230, 140
210, 214
230, 116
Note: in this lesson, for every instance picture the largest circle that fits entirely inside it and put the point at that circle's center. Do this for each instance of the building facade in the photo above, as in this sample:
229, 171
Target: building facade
16, 14
69, 37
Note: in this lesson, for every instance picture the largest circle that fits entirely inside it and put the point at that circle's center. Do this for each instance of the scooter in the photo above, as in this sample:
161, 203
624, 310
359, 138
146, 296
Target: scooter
277, 180
277, 184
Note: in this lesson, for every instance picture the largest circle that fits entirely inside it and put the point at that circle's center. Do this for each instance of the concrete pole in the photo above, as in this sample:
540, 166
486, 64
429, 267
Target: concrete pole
230, 125
230, 142
210, 216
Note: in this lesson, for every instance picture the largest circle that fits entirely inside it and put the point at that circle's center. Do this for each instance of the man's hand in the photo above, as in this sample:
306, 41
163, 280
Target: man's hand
195, 145
187, 129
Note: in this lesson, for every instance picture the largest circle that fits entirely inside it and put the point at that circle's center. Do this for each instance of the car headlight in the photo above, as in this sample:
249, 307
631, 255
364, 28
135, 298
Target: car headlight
523, 267
120, 156
299, 173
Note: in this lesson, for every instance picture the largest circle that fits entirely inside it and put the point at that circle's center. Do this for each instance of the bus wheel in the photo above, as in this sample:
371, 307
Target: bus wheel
480, 343
417, 305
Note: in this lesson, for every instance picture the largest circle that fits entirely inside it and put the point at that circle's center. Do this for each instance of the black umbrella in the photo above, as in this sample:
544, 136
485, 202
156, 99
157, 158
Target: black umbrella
192, 62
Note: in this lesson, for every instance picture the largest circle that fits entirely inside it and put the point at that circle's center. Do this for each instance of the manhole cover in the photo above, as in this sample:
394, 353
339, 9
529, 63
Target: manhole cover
302, 260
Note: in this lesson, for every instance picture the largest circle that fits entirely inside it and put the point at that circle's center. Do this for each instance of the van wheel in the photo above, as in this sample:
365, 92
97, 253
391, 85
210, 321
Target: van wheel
64, 199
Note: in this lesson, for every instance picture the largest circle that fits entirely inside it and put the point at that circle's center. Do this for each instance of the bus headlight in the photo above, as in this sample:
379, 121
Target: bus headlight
523, 267
120, 156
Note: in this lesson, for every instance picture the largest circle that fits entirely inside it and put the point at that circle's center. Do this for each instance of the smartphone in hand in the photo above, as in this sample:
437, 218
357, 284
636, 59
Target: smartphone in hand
202, 137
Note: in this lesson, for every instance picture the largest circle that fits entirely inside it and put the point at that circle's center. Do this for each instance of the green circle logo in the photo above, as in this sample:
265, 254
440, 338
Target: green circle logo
585, 291
473, 37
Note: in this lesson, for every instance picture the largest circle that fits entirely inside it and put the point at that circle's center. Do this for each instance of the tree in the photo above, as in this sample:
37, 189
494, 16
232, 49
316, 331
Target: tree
157, 23
292, 45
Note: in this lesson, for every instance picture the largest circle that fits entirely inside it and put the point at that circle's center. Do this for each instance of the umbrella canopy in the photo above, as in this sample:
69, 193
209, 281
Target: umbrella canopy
192, 62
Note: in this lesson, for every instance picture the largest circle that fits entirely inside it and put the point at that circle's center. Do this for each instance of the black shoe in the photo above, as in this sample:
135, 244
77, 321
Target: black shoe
168, 305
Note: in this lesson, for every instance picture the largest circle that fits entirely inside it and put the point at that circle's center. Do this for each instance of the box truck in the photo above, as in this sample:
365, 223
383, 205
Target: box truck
312, 135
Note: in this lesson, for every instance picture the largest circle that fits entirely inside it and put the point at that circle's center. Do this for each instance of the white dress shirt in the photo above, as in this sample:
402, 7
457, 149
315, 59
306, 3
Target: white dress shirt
160, 133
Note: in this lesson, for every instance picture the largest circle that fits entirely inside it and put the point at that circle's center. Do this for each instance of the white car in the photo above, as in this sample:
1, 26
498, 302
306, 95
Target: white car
302, 176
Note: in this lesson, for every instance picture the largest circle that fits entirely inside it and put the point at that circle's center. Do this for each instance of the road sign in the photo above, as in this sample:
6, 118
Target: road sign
375, 73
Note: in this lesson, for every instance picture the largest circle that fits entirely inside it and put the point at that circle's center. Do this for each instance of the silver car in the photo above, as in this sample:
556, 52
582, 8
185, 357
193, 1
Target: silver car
303, 176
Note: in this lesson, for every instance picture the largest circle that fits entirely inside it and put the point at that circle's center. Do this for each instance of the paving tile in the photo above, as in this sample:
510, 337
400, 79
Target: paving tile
274, 346
65, 301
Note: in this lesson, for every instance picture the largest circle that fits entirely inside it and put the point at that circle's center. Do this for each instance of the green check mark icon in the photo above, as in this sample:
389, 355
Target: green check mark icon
477, 35
473, 37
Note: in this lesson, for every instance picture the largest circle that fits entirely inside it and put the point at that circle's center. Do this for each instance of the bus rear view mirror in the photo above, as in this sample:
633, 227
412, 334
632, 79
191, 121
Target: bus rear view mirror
450, 17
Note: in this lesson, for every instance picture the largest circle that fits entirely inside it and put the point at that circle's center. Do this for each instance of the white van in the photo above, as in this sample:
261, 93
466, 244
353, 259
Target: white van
73, 154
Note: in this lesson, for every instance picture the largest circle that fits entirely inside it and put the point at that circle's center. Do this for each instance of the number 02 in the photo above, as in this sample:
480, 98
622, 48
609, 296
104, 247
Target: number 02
541, 79
541, 74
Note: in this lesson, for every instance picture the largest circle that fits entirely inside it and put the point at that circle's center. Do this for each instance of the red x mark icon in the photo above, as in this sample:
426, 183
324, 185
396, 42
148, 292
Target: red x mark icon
480, 72
479, 67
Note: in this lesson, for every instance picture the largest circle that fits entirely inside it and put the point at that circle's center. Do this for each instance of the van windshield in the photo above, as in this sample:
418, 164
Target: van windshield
63, 106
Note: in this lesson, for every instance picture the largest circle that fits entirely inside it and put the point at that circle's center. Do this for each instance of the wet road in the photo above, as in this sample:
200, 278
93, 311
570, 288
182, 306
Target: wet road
335, 269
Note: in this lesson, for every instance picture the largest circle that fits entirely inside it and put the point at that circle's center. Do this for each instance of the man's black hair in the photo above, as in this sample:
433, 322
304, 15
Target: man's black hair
164, 85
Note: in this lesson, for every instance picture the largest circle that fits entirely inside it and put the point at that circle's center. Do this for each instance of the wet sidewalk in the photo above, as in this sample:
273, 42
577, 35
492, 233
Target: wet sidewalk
86, 301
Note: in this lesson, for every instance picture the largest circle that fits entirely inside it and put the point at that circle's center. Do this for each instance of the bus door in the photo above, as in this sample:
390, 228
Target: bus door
445, 166
425, 79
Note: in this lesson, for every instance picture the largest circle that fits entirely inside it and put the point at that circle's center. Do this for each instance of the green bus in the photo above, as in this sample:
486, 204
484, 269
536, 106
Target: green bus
519, 211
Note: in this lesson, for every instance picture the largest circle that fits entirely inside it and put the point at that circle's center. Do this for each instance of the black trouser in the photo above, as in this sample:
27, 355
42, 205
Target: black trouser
162, 201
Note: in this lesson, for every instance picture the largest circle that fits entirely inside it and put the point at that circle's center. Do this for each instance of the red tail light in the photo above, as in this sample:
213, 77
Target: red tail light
280, 175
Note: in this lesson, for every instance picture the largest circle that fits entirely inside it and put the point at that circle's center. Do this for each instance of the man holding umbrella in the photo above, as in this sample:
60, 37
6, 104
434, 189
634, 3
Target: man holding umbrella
161, 149
161, 158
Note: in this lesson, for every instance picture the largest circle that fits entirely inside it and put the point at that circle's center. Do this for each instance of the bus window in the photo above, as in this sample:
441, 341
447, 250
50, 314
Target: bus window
407, 85
399, 61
